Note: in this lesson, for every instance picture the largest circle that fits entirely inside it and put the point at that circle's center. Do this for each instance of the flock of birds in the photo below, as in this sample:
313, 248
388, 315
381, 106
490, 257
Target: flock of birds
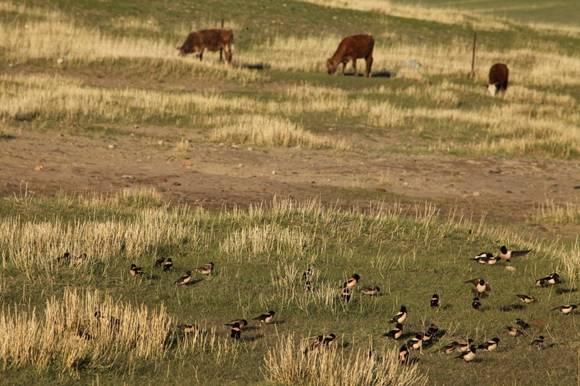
466, 348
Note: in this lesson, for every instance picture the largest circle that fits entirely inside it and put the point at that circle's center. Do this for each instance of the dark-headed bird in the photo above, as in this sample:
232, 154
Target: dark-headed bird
265, 318
490, 345
482, 255
205, 269
468, 355
371, 291
167, 265
236, 331
345, 294
463, 345
434, 301
506, 254
241, 322
476, 303
522, 324
549, 280
486, 258
538, 342
159, 262
403, 355
513, 331
566, 309
480, 286
186, 279
352, 281
400, 317
416, 342
526, 298
396, 332
135, 271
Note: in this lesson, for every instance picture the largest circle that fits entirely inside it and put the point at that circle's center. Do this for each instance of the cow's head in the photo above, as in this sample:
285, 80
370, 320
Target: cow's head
331, 66
181, 50
492, 88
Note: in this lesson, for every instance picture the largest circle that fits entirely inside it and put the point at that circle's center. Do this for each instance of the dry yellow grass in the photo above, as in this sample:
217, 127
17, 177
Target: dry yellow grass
568, 213
290, 363
52, 36
86, 329
34, 246
269, 131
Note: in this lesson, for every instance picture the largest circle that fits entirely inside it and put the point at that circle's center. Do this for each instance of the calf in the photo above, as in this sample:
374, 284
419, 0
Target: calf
210, 39
498, 78
352, 48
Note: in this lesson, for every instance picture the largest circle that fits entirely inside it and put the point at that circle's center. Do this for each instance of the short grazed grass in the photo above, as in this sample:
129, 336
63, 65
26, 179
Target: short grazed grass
260, 254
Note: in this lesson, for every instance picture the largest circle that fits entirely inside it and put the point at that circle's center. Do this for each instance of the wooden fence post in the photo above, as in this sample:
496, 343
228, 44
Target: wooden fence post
472, 73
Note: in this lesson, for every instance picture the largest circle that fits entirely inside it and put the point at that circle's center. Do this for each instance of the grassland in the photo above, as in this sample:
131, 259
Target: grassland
260, 254
88, 84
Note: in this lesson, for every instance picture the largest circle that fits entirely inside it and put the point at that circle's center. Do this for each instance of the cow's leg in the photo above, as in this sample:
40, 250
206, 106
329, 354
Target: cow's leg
228, 53
343, 67
354, 66
369, 63
201, 55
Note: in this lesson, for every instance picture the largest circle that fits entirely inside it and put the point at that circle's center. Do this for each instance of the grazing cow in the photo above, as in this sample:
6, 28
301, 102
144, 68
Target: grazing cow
498, 78
210, 39
352, 48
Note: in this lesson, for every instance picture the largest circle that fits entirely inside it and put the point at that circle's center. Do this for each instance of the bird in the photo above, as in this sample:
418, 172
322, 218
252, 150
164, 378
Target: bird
549, 280
403, 354
468, 355
522, 324
307, 277
186, 279
450, 348
486, 258
566, 309
434, 301
482, 255
371, 291
400, 317
328, 339
345, 295
65, 257
167, 265
416, 342
526, 298
265, 318
236, 331
352, 281
396, 332
159, 262
188, 328
513, 331
463, 345
135, 271
241, 322
481, 287
490, 345
206, 269
538, 342
506, 254
476, 303
432, 330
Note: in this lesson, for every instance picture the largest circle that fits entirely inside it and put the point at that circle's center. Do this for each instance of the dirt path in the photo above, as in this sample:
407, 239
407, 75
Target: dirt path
215, 175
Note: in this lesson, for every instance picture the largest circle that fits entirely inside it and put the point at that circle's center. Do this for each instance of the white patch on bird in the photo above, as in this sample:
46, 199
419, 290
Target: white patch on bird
492, 89
510, 268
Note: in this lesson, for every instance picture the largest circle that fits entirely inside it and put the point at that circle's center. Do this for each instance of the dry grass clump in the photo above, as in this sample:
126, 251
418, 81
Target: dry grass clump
30, 245
66, 98
568, 213
266, 239
290, 363
269, 131
89, 330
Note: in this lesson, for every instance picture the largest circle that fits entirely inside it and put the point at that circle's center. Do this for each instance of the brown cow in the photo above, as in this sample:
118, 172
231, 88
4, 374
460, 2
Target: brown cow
352, 48
498, 78
210, 39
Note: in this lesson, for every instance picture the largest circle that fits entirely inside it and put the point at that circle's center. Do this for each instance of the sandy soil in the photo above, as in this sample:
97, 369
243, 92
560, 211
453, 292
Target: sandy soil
214, 175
